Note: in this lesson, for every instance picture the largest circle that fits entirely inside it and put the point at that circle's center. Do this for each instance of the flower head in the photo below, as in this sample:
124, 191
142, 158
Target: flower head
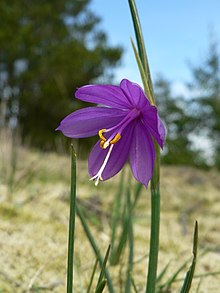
125, 123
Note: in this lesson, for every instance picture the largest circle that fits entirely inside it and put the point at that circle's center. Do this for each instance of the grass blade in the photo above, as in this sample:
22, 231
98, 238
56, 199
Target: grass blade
130, 242
137, 193
71, 223
140, 42
143, 75
123, 238
102, 273
116, 217
101, 286
189, 276
162, 273
138, 32
133, 285
94, 246
166, 286
92, 276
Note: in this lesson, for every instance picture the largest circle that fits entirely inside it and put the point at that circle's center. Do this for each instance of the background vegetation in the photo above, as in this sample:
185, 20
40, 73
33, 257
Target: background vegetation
57, 47
48, 49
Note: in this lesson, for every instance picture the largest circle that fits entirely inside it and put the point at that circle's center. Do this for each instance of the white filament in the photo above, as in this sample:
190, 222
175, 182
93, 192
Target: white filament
98, 176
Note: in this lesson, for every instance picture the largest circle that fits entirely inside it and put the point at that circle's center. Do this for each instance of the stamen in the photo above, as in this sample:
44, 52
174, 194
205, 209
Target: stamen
116, 138
105, 143
98, 176
102, 144
101, 134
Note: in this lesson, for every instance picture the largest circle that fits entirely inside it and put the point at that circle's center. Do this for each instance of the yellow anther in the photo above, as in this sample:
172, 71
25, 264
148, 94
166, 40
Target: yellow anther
116, 138
101, 134
101, 178
102, 144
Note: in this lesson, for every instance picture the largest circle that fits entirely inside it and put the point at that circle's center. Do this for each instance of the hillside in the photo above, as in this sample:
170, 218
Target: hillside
34, 223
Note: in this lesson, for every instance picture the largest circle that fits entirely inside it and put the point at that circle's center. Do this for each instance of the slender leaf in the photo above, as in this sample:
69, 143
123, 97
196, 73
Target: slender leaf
133, 285
143, 75
137, 193
101, 286
130, 242
92, 276
199, 284
189, 276
94, 246
122, 239
116, 217
140, 43
103, 268
166, 286
162, 273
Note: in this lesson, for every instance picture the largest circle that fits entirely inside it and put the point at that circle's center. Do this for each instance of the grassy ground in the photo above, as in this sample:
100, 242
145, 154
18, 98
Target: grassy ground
34, 224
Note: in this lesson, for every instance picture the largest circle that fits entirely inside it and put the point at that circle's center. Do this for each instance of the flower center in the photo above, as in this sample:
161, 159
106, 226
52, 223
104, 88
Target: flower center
113, 139
116, 136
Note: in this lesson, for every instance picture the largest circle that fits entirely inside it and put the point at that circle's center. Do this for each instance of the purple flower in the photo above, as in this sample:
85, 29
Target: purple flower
125, 124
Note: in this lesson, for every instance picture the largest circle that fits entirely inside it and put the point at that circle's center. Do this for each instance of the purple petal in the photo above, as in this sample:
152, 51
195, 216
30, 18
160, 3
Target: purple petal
154, 124
134, 93
142, 154
88, 121
118, 156
108, 95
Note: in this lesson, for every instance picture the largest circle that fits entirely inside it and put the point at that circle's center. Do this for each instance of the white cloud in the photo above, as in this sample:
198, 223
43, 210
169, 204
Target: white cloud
179, 88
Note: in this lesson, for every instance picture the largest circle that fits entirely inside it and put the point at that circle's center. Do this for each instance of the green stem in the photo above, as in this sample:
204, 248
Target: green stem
71, 224
155, 226
155, 181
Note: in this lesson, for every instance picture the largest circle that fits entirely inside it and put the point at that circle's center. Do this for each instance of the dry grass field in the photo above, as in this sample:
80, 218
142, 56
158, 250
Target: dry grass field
34, 224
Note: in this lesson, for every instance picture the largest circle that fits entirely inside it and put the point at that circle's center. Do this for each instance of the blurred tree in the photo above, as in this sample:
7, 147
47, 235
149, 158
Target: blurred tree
206, 88
180, 122
48, 48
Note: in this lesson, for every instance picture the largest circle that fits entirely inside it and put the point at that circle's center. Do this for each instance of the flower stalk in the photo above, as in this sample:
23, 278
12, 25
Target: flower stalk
142, 61
71, 223
155, 226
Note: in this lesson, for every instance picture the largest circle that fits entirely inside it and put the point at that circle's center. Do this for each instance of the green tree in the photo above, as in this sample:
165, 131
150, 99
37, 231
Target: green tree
206, 86
177, 114
48, 49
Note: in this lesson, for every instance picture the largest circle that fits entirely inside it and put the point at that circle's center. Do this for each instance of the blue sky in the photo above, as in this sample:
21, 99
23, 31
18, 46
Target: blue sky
175, 33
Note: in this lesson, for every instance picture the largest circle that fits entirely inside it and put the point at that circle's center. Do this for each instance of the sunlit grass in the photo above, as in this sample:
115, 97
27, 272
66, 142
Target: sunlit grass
33, 226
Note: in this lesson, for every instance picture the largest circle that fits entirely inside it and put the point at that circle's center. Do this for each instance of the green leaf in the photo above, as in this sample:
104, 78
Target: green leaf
122, 239
137, 193
162, 273
103, 268
92, 276
140, 42
143, 75
133, 285
116, 217
101, 286
130, 241
189, 276
94, 246
166, 286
